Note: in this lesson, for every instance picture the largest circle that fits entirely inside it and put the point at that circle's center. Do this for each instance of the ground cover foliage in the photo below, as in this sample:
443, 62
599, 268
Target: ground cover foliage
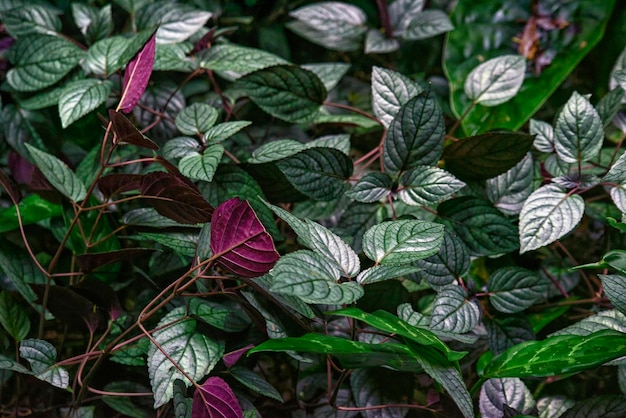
361, 208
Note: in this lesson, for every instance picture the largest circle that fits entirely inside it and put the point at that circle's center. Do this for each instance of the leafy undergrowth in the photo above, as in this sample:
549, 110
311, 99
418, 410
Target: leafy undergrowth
266, 209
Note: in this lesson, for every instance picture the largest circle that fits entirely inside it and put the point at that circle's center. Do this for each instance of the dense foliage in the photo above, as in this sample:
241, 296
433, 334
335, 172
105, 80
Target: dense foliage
255, 208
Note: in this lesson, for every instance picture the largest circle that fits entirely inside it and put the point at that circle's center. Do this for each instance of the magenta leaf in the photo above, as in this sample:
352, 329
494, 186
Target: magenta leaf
127, 133
240, 240
175, 198
137, 75
215, 399
233, 357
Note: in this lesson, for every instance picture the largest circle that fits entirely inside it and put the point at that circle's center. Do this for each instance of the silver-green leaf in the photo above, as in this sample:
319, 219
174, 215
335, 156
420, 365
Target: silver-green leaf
400, 242
371, 187
42, 358
427, 24
236, 61
509, 191
196, 119
325, 242
423, 186
390, 91
81, 97
452, 312
198, 166
496, 81
547, 215
513, 289
176, 21
58, 174
579, 132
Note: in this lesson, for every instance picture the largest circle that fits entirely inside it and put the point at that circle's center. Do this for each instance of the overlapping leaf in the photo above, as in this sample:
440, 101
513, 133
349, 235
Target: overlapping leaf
578, 131
453, 312
41, 355
196, 119
509, 191
513, 289
198, 166
415, 135
390, 91
501, 396
215, 398
400, 242
423, 186
237, 60
127, 133
176, 21
371, 187
547, 215
451, 261
81, 97
239, 238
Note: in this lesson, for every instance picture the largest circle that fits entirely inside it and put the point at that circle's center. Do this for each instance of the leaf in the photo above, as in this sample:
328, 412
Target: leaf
513, 289
223, 131
329, 72
450, 262
387, 322
401, 12
333, 25
236, 61
40, 61
447, 375
240, 241
380, 273
509, 190
313, 278
276, 150
174, 198
12, 317
319, 173
92, 261
474, 24
480, 226
368, 393
507, 332
553, 406
609, 105
215, 398
179, 147
255, 382
544, 135
20, 270
176, 21
614, 286
193, 352
182, 243
198, 166
400, 242
352, 354
377, 43
219, 315
496, 80
58, 174
137, 75
487, 155
617, 172
547, 215
611, 319
600, 406
41, 355
287, 92
415, 135
113, 184
81, 97
452, 312
372, 187
328, 244
563, 354
426, 24
423, 186
390, 91
31, 19
497, 396
196, 119
578, 132
127, 133
104, 57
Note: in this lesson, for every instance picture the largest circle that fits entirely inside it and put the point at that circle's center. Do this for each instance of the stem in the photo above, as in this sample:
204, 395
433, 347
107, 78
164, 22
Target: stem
384, 18
352, 109
459, 120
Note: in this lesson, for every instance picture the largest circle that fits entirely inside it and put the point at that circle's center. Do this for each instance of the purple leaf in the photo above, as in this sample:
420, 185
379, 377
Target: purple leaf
24, 172
119, 183
215, 399
137, 75
10, 187
127, 133
242, 243
91, 262
233, 357
175, 198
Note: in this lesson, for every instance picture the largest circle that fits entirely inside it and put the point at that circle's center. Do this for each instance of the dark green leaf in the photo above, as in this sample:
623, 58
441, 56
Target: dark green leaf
505, 333
31, 19
13, 317
380, 273
287, 92
32, 210
614, 286
319, 173
105, 56
255, 382
481, 226
556, 355
415, 135
613, 406
452, 261
513, 289
485, 156
368, 392
372, 187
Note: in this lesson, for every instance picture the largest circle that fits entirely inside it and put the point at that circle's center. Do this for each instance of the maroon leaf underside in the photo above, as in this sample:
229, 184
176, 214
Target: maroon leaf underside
10, 187
230, 359
215, 399
113, 184
126, 132
174, 198
237, 235
91, 262
137, 75
25, 172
